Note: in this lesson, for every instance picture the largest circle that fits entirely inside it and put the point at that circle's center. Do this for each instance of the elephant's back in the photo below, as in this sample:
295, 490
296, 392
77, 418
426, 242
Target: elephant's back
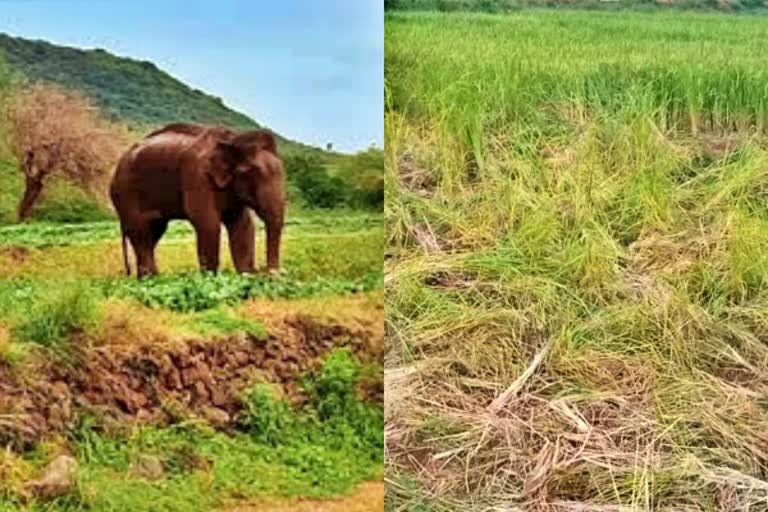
149, 174
161, 150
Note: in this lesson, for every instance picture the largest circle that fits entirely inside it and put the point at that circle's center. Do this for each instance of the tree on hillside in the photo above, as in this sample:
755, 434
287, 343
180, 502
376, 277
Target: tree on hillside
54, 130
364, 171
318, 188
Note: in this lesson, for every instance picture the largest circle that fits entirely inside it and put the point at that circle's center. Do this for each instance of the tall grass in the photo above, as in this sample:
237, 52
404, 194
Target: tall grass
53, 321
485, 75
576, 223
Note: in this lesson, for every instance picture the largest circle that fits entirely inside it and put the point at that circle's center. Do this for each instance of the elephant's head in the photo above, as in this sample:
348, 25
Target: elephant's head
246, 162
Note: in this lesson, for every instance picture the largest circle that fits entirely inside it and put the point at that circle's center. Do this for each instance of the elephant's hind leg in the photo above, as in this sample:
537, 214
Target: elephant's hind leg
143, 237
158, 228
242, 240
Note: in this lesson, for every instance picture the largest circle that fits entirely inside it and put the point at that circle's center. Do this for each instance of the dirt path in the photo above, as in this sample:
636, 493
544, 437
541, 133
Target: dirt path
367, 497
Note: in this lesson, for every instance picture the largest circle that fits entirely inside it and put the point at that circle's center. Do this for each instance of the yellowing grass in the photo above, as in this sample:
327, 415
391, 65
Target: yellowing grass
576, 223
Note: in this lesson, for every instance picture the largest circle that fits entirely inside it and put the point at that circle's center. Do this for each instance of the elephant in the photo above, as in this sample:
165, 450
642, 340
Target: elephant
209, 175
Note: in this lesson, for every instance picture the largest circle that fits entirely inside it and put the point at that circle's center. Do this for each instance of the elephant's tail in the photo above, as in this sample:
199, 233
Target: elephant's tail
125, 253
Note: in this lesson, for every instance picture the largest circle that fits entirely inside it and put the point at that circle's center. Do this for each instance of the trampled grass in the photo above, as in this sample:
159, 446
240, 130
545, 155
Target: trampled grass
576, 281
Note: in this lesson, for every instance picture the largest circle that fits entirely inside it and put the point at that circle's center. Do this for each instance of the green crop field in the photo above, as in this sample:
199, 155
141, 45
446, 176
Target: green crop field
576, 261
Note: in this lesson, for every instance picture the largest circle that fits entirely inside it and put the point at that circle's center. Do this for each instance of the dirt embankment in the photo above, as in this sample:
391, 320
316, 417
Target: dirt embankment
158, 383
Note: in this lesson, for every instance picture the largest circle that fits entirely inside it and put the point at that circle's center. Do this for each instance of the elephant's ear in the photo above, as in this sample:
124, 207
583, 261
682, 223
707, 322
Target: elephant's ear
222, 167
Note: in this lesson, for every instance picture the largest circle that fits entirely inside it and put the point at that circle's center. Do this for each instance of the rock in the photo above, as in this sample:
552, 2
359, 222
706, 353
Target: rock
218, 396
200, 392
148, 467
58, 478
241, 357
59, 414
173, 379
218, 418
204, 373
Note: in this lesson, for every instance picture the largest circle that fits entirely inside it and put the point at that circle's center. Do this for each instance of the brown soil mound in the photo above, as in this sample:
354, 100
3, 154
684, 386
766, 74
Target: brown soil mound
149, 383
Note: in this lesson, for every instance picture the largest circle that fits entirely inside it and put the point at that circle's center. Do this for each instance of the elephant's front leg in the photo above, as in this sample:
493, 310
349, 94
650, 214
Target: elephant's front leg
208, 243
274, 225
242, 240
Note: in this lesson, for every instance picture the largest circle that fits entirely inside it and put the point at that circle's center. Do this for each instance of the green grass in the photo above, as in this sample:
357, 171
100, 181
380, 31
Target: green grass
59, 314
73, 231
66, 203
222, 321
324, 256
61, 233
43, 234
182, 292
506, 6
544, 70
576, 283
47, 308
314, 454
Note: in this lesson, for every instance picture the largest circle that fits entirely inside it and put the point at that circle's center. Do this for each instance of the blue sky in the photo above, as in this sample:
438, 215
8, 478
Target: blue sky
310, 70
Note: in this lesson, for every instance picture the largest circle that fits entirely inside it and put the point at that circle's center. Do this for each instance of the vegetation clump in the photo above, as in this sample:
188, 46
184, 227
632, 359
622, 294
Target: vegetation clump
508, 6
63, 312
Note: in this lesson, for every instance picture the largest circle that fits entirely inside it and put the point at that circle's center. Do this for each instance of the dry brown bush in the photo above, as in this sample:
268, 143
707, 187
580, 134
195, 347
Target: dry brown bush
54, 130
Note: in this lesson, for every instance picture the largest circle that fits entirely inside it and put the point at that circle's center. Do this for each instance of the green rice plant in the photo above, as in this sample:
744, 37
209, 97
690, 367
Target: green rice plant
748, 254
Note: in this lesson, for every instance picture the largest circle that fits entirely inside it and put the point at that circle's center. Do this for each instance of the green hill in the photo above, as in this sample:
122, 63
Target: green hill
134, 91
144, 96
